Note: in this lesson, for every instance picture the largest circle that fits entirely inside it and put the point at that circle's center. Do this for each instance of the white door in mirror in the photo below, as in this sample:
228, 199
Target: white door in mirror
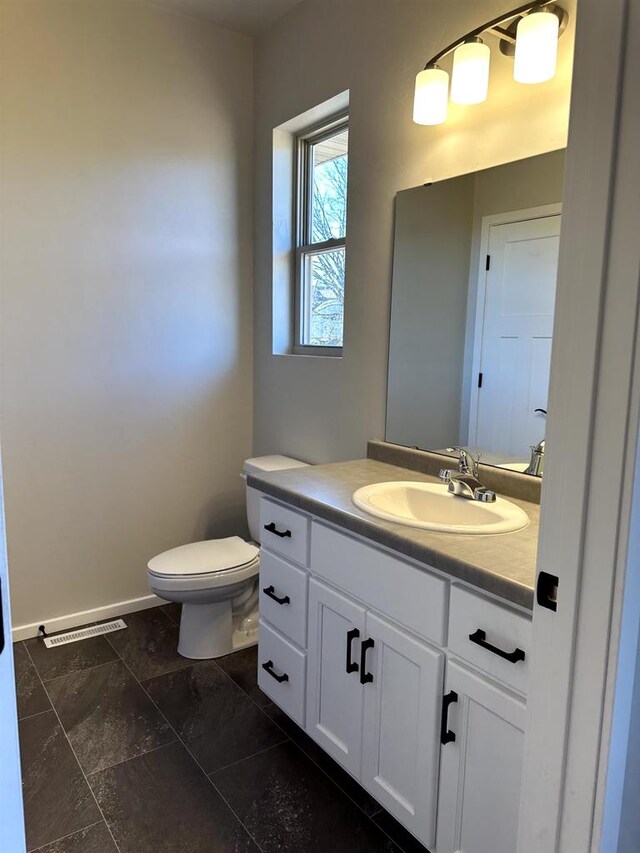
516, 333
431, 506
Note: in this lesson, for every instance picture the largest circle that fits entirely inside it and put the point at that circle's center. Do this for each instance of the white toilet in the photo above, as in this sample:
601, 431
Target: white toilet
216, 581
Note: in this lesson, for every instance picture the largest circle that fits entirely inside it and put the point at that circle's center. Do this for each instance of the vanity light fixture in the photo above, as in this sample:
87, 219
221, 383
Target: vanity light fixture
536, 47
431, 96
470, 75
529, 33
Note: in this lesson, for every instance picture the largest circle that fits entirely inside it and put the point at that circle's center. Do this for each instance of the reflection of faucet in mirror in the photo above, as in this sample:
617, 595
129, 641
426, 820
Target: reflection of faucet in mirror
536, 465
463, 460
464, 483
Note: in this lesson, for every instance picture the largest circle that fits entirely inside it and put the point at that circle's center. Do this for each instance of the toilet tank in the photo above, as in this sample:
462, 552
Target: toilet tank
261, 465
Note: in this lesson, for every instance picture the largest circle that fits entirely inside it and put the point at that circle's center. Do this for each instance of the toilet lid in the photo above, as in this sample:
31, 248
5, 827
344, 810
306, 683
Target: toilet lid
199, 558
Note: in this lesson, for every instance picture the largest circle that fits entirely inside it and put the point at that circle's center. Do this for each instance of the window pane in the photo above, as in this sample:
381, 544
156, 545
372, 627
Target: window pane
324, 303
329, 165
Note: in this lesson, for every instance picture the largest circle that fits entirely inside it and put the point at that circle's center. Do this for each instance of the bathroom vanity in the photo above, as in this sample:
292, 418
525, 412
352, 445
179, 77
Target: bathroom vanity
402, 652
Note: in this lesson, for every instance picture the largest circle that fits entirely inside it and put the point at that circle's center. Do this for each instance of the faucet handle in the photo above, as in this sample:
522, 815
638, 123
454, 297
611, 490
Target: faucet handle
485, 496
445, 475
476, 465
463, 458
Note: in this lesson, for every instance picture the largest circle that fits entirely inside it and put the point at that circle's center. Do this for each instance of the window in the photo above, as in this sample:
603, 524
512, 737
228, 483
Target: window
321, 228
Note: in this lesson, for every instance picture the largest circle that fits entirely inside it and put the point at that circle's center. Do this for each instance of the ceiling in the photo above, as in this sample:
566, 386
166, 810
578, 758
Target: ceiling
246, 16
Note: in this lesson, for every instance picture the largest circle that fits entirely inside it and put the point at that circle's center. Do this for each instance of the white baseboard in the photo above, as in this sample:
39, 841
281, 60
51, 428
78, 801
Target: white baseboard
75, 620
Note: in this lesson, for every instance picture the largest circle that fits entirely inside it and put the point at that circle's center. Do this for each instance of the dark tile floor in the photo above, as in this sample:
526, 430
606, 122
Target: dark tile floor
128, 747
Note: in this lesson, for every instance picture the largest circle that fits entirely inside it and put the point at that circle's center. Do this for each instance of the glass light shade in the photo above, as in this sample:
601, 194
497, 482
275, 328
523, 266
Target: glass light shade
470, 75
431, 96
536, 48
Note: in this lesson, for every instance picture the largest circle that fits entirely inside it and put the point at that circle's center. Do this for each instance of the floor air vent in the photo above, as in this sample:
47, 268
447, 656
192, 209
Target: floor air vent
84, 633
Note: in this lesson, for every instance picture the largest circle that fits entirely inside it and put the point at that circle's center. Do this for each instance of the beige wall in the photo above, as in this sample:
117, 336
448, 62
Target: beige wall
428, 312
126, 293
323, 409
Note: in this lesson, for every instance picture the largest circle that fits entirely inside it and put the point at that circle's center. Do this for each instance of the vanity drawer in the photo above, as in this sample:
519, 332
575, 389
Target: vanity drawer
410, 595
283, 597
497, 632
284, 679
284, 531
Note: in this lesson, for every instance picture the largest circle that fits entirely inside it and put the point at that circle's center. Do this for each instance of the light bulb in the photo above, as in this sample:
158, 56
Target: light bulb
470, 75
431, 94
536, 48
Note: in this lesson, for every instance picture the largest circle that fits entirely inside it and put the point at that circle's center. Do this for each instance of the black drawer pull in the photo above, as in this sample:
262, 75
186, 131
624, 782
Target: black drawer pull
479, 637
365, 677
446, 735
268, 667
271, 528
270, 591
352, 635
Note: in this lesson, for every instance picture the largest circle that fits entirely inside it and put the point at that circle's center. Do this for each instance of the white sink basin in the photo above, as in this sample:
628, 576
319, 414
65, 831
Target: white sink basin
432, 507
515, 466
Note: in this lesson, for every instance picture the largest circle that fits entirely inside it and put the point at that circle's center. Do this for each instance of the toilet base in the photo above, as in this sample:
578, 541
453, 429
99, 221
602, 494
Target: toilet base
208, 631
244, 639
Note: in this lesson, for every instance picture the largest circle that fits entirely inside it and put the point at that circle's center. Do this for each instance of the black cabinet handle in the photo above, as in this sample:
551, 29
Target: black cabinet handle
365, 677
352, 635
268, 667
271, 528
479, 637
447, 736
270, 591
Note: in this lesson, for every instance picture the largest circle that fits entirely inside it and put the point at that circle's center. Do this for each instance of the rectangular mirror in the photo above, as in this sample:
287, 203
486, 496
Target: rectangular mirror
473, 298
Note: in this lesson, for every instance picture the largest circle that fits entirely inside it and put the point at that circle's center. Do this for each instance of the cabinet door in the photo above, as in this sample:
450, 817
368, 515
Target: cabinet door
401, 741
480, 771
334, 695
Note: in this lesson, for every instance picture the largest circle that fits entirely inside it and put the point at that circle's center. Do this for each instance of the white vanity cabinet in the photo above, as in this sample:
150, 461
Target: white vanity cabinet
480, 765
335, 698
414, 684
401, 737
282, 658
373, 703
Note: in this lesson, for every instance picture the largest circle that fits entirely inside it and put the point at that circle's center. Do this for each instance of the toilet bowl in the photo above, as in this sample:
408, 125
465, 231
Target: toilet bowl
216, 580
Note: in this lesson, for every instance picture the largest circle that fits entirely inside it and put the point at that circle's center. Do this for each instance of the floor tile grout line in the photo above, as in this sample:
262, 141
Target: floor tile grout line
89, 669
69, 835
247, 757
170, 618
233, 811
133, 757
77, 671
37, 714
328, 775
73, 752
369, 817
158, 675
195, 760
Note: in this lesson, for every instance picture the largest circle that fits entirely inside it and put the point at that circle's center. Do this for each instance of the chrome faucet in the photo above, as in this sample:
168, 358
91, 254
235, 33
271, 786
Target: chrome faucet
465, 483
536, 465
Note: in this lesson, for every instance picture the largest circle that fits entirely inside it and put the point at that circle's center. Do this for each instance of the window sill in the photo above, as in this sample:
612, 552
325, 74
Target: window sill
331, 353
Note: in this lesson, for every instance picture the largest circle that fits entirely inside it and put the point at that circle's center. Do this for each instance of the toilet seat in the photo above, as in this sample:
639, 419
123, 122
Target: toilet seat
205, 565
